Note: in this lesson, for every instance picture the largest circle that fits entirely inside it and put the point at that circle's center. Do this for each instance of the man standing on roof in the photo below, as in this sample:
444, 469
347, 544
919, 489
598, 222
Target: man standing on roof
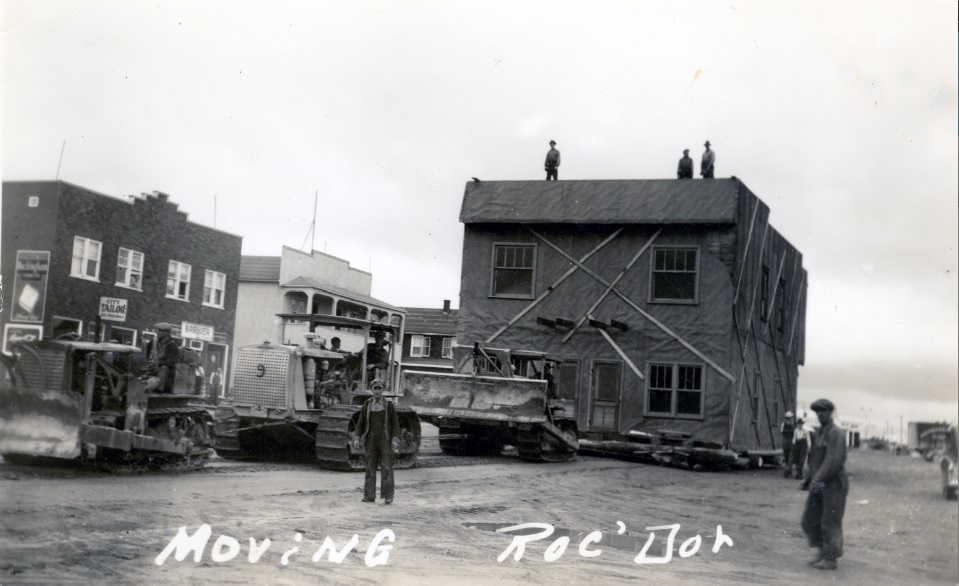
828, 487
685, 168
552, 162
709, 159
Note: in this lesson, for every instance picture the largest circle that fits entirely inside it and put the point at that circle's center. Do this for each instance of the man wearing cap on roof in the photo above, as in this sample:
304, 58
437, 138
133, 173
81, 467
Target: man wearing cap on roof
552, 162
685, 168
787, 427
709, 158
828, 487
168, 355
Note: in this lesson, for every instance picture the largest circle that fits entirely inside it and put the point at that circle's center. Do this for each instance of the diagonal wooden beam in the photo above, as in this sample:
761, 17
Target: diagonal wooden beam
552, 287
792, 327
749, 238
643, 313
609, 289
622, 354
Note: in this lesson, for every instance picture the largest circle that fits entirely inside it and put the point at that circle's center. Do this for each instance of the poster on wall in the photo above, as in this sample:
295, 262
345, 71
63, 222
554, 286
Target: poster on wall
20, 333
30, 285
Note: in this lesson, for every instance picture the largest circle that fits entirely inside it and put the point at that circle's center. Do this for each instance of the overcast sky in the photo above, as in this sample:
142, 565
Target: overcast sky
841, 116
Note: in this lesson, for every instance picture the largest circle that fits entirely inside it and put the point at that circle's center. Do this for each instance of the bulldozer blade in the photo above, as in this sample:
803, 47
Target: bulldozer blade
40, 422
482, 397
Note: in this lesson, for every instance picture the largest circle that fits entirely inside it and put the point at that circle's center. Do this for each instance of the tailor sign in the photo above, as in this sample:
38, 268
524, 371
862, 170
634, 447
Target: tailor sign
113, 309
193, 331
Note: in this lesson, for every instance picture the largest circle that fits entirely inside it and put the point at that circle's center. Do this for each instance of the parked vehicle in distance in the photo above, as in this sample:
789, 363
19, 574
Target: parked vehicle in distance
948, 464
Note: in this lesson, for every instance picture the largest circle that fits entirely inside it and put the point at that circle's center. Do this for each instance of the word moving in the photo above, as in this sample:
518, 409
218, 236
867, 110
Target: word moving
226, 548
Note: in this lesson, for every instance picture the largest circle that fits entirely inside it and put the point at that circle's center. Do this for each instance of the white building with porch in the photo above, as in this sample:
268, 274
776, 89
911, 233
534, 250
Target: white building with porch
309, 283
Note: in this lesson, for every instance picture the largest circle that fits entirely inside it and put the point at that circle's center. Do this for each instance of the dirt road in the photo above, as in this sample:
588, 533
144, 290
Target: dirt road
74, 526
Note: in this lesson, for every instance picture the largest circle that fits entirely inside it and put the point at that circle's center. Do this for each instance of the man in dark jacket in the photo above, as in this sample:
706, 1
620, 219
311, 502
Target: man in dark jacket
828, 487
378, 427
552, 162
168, 355
685, 168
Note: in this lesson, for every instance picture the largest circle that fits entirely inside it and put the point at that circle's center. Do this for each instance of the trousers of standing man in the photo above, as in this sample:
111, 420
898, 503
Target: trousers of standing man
822, 519
379, 455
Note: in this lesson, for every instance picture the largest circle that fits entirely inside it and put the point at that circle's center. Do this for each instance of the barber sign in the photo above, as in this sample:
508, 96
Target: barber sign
196, 331
113, 309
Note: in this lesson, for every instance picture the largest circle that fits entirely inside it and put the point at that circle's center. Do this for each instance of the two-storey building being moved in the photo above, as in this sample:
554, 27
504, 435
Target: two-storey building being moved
678, 309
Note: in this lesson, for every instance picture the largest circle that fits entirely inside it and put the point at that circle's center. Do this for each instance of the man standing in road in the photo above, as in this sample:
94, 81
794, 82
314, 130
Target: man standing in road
709, 159
787, 428
828, 487
685, 168
552, 162
377, 427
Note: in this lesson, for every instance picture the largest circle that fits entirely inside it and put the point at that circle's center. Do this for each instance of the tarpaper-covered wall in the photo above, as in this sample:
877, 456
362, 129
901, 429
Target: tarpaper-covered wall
748, 367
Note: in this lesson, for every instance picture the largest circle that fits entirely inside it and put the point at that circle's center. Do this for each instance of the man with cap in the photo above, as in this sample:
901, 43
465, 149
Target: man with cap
787, 427
828, 487
377, 430
685, 168
709, 158
552, 162
168, 355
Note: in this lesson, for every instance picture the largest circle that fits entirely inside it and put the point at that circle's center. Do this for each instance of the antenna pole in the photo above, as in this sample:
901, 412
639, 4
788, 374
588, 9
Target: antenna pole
316, 196
62, 148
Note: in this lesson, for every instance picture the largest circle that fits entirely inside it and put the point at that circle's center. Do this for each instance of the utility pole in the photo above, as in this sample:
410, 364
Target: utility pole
62, 148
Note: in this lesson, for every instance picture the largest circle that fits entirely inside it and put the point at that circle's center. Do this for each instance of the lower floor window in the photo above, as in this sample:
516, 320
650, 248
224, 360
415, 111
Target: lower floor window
675, 390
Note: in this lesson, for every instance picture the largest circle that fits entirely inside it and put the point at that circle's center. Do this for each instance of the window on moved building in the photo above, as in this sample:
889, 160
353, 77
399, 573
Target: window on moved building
514, 270
214, 285
675, 274
419, 346
178, 280
675, 390
764, 295
86, 259
781, 306
130, 269
447, 347
568, 380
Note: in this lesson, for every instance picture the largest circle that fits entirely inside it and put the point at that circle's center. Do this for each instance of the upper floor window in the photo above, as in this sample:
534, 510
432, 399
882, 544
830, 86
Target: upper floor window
514, 270
130, 268
178, 280
214, 285
447, 347
86, 259
675, 274
675, 390
420, 346
781, 306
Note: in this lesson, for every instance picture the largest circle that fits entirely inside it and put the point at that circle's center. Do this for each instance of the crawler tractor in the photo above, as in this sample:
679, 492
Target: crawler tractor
495, 398
292, 401
71, 399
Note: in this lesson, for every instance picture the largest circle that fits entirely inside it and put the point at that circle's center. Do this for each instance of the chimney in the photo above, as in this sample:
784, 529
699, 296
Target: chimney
446, 306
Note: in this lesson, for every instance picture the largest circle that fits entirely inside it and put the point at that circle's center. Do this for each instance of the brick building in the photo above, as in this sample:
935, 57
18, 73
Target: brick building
75, 260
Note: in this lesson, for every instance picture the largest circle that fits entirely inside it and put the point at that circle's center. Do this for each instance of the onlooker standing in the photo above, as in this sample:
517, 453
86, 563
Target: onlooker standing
709, 160
787, 428
800, 448
828, 487
377, 427
216, 380
198, 379
552, 162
